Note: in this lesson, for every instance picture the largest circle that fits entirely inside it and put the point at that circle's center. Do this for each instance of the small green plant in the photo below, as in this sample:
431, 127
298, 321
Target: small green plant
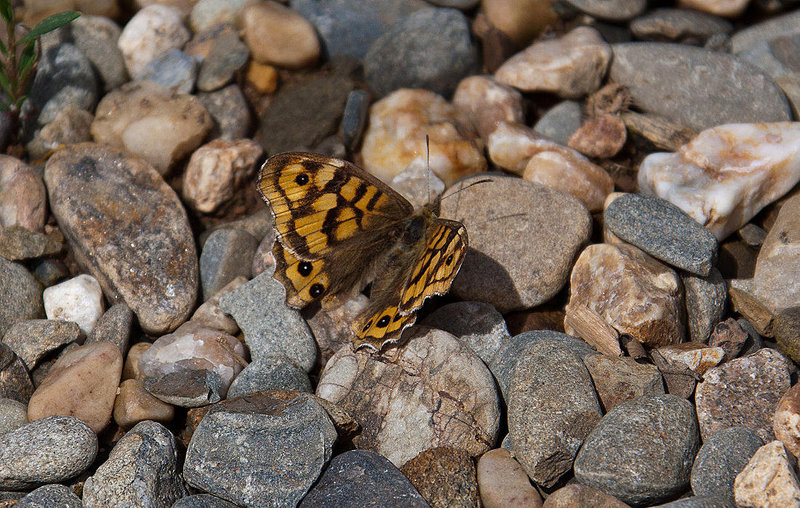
19, 58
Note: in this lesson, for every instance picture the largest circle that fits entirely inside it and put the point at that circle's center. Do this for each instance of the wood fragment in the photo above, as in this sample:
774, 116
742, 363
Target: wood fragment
592, 328
664, 134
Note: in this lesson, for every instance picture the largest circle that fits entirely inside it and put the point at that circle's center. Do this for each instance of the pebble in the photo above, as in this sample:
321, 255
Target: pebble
621, 458
784, 421
70, 125
131, 368
96, 37
50, 495
418, 183
695, 356
705, 303
444, 476
172, 69
347, 29
18, 243
78, 299
552, 407
141, 470
50, 450
686, 26
64, 77
268, 324
619, 379
769, 479
617, 10
396, 131
613, 280
502, 483
775, 286
730, 336
571, 67
432, 392
34, 339
300, 117
662, 79
13, 415
151, 31
548, 226
151, 236
189, 349
209, 13
229, 112
360, 478
726, 174
262, 434
576, 495
217, 171
134, 404
743, 392
278, 35
114, 326
765, 31
560, 122
82, 383
354, 118
227, 254
148, 120
270, 372
202, 500
429, 49
209, 314
487, 103
723, 456
22, 195
20, 294
662, 230
476, 324
520, 21
726, 8
227, 56
15, 382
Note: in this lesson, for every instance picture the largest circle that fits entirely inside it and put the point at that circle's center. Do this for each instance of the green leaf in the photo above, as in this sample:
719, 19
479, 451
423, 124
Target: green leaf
26, 61
6, 85
7, 12
49, 24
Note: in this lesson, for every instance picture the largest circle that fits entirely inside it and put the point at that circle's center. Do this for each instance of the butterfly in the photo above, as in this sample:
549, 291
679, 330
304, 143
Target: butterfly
339, 228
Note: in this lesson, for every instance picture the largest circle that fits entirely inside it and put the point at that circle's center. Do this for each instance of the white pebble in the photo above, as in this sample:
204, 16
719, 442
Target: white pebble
79, 299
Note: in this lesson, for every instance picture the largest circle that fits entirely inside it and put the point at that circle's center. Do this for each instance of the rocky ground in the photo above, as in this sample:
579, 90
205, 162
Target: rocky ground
624, 329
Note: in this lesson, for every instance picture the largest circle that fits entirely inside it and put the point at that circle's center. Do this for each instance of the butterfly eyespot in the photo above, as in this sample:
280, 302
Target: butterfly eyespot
366, 326
383, 322
301, 179
316, 289
449, 260
304, 268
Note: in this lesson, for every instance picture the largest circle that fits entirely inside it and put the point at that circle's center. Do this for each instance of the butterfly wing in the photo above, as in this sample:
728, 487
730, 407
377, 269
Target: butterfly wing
333, 222
426, 271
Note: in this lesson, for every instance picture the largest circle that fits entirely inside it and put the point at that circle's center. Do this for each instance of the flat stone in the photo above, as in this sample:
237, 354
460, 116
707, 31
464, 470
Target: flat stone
743, 392
50, 450
227, 56
227, 254
270, 372
765, 31
360, 478
723, 456
663, 79
149, 261
577, 495
620, 457
499, 272
705, 303
134, 404
114, 326
686, 26
560, 121
32, 340
230, 112
142, 469
662, 230
503, 483
552, 407
432, 392
262, 433
20, 293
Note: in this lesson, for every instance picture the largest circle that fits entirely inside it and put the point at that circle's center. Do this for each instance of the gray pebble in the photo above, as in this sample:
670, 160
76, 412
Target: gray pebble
15, 382
354, 118
20, 293
227, 56
723, 456
686, 26
242, 449
141, 470
49, 450
642, 450
114, 326
227, 254
230, 112
48, 496
662, 230
430, 49
96, 37
187, 388
31, 340
13, 415
476, 324
172, 69
705, 303
269, 325
560, 122
363, 478
270, 372
779, 26
202, 501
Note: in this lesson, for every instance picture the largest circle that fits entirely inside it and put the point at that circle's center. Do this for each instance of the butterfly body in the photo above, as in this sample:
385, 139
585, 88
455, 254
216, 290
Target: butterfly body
338, 228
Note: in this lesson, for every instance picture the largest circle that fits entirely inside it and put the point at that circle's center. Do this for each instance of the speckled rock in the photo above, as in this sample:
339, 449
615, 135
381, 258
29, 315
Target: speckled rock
705, 303
769, 479
552, 407
15, 382
113, 326
404, 390
619, 379
150, 32
744, 391
262, 433
51, 495
149, 261
227, 254
499, 272
31, 340
13, 415
270, 372
621, 459
395, 137
141, 470
444, 476
723, 456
